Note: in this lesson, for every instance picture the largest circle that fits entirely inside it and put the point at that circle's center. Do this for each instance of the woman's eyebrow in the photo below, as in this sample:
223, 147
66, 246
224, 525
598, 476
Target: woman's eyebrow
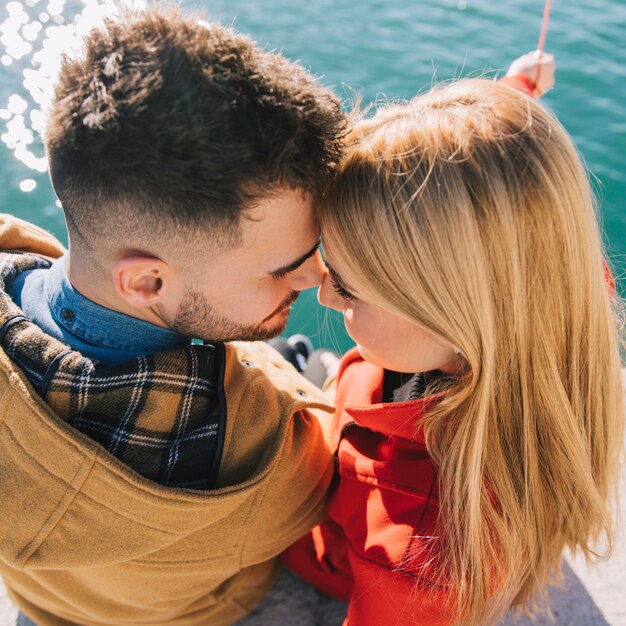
281, 271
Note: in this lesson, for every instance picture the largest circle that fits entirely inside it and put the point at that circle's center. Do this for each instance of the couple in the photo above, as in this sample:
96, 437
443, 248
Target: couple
146, 478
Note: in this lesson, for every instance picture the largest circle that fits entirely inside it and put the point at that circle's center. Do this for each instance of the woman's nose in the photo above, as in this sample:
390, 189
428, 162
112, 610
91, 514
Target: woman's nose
328, 297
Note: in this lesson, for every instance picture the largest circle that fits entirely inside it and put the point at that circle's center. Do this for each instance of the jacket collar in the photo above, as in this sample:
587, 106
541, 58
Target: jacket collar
395, 419
360, 393
118, 335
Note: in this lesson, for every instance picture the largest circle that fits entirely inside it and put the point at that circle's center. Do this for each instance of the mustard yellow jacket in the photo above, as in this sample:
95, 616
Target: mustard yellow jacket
85, 540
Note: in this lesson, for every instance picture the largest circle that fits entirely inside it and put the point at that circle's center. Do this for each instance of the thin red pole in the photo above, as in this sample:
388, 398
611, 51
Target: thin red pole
542, 36
544, 26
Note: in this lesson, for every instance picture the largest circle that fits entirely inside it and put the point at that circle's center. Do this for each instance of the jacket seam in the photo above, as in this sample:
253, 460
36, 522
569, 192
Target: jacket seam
5, 402
72, 489
94, 462
180, 563
249, 524
385, 483
47, 470
59, 512
125, 515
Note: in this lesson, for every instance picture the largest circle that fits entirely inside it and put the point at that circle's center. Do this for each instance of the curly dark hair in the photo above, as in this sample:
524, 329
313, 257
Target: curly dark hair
175, 119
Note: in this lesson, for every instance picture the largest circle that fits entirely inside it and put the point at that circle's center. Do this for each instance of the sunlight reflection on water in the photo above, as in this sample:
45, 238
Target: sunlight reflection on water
44, 32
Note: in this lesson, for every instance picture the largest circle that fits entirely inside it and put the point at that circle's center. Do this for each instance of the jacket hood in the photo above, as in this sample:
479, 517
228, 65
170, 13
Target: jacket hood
58, 486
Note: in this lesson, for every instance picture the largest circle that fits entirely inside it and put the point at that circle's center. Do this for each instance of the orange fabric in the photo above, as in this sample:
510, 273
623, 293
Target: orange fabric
608, 276
521, 82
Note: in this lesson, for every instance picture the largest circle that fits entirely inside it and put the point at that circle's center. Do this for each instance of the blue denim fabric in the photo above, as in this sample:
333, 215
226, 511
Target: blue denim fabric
22, 620
48, 299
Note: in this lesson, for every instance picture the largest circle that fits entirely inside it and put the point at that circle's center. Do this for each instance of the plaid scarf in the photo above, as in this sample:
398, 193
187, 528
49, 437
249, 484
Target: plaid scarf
163, 414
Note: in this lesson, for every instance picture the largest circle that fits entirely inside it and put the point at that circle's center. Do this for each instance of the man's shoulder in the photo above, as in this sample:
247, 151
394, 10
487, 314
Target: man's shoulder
255, 367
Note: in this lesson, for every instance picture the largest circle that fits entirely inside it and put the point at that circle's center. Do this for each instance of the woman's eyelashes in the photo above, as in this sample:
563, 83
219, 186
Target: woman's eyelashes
340, 289
335, 282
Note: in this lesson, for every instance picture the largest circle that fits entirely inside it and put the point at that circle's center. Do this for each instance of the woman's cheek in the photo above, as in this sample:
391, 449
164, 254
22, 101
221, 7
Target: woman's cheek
356, 324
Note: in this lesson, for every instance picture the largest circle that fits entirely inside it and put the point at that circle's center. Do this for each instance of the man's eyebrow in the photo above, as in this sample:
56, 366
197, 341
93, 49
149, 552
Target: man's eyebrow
281, 271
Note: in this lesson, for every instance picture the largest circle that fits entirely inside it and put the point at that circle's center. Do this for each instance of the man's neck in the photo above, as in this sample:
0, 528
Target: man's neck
101, 291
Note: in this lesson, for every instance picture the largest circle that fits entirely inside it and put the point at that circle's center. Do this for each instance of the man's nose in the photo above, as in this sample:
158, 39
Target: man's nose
309, 274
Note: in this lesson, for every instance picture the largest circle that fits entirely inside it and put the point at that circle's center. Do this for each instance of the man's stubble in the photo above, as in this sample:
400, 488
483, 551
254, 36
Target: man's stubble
197, 318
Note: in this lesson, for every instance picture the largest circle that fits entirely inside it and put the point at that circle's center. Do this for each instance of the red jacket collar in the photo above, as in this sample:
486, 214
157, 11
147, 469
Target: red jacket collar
359, 395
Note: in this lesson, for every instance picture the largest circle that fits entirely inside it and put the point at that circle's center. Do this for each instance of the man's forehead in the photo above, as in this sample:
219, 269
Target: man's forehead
281, 219
278, 204
278, 231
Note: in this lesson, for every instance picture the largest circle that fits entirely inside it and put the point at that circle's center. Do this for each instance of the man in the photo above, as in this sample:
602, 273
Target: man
144, 479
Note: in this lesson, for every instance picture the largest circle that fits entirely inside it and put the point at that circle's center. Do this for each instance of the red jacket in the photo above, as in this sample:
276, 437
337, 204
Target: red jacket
376, 546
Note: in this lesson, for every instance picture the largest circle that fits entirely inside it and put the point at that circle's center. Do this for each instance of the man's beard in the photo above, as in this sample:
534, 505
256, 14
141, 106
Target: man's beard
197, 318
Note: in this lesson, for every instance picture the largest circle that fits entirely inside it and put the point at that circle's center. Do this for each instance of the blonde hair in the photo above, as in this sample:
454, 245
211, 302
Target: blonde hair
468, 210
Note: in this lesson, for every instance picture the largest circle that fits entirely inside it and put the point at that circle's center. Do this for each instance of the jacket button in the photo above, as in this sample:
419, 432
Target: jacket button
301, 393
247, 363
68, 315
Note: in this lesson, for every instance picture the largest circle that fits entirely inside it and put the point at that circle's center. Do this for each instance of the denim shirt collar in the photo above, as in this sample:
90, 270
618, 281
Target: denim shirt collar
98, 325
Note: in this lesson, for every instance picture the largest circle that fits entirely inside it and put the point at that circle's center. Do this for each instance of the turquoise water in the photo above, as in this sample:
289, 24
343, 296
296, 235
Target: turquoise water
379, 49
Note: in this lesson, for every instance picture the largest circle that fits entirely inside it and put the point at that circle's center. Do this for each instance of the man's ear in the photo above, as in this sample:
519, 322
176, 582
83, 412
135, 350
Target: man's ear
141, 281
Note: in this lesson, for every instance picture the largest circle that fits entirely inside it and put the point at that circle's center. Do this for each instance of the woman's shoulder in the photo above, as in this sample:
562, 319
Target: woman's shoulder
386, 501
